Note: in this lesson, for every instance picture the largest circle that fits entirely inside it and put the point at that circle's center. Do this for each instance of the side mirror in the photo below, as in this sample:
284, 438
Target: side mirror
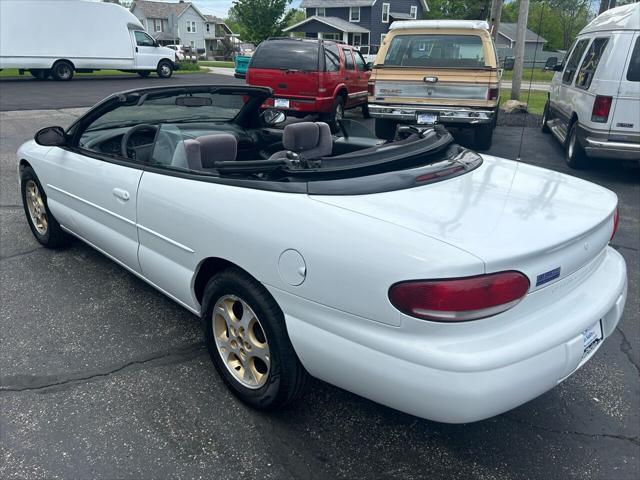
369, 66
51, 137
272, 116
558, 68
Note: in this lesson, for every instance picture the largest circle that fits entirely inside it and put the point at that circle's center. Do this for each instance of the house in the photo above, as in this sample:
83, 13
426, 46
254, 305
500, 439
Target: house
215, 32
181, 23
361, 23
533, 43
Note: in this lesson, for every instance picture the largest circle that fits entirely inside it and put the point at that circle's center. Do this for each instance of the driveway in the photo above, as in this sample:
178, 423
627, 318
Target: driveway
103, 377
27, 93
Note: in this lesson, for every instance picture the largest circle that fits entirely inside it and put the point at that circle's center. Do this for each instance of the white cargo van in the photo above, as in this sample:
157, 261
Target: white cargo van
594, 100
59, 37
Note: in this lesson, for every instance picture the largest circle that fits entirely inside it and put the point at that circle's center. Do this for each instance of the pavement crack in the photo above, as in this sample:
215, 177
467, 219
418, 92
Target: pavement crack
21, 383
625, 347
20, 254
634, 440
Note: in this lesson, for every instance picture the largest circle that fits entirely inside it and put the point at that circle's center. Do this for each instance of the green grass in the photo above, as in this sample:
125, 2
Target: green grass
213, 63
536, 103
13, 73
539, 75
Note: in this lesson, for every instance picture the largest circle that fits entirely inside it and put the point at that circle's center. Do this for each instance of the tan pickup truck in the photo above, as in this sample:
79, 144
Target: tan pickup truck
436, 71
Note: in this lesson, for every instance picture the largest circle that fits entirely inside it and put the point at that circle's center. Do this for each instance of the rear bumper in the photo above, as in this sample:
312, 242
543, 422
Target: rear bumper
303, 105
599, 147
446, 114
464, 372
240, 75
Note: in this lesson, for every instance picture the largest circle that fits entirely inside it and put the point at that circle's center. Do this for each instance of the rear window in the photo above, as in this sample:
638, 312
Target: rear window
633, 74
440, 51
284, 55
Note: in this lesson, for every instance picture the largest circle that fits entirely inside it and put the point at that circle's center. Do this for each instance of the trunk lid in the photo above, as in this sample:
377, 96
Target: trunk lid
512, 216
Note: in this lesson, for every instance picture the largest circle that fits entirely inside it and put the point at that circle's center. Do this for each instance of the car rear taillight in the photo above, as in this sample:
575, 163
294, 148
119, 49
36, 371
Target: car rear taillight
601, 108
492, 94
371, 89
460, 299
616, 219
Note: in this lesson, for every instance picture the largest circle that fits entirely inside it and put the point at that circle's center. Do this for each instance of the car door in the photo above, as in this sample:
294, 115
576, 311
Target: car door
94, 197
146, 51
363, 74
350, 75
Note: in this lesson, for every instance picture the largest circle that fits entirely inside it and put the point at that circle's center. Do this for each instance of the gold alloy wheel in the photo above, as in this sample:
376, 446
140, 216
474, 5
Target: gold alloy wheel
35, 205
241, 341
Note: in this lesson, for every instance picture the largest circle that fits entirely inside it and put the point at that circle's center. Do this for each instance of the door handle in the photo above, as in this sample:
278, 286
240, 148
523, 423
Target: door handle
136, 49
121, 194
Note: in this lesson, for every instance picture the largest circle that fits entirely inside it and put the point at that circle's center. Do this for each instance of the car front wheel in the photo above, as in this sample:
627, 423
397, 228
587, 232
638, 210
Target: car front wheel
165, 69
43, 224
545, 119
247, 339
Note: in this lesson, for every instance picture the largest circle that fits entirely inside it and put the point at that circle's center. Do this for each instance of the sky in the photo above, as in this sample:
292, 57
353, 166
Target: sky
219, 8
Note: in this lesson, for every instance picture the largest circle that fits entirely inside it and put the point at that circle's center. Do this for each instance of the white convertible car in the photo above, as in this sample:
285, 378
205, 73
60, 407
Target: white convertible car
415, 273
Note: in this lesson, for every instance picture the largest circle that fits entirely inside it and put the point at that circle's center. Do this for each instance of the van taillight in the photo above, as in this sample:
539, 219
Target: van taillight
601, 108
492, 94
616, 220
371, 89
460, 299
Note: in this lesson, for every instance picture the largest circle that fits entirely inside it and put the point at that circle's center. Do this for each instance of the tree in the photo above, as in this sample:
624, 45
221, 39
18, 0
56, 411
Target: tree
296, 16
458, 9
258, 20
561, 19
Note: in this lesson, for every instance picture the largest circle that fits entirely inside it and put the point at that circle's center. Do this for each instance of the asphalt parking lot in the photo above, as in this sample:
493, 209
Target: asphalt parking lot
103, 377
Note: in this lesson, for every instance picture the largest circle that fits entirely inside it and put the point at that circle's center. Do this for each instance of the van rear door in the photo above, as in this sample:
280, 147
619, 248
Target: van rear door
289, 67
625, 120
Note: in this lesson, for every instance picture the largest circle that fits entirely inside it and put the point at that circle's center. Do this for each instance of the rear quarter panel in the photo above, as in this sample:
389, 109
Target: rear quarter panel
351, 259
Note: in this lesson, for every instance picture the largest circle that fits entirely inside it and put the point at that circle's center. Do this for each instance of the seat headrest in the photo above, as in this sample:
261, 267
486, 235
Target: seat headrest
219, 147
312, 139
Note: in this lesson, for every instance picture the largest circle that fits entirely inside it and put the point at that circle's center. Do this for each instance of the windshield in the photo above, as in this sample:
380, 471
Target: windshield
439, 51
286, 55
175, 107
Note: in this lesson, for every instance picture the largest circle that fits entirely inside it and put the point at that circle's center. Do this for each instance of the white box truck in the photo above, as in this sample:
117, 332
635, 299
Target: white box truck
59, 37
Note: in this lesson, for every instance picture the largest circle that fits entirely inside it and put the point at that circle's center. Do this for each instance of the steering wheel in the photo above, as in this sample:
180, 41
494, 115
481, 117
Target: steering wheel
134, 152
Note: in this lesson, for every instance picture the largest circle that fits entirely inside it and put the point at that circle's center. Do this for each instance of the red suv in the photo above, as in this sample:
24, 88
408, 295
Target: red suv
311, 76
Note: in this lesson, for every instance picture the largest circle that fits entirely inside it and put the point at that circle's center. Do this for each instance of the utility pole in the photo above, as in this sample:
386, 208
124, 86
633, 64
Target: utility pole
523, 17
494, 18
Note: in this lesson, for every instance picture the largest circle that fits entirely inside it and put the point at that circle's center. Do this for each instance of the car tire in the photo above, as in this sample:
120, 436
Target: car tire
545, 118
365, 111
40, 73
144, 73
62, 71
386, 129
253, 323
575, 156
483, 136
165, 69
336, 115
43, 224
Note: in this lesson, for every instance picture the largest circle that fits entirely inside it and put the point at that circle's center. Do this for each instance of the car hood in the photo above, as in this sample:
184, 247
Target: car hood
512, 216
